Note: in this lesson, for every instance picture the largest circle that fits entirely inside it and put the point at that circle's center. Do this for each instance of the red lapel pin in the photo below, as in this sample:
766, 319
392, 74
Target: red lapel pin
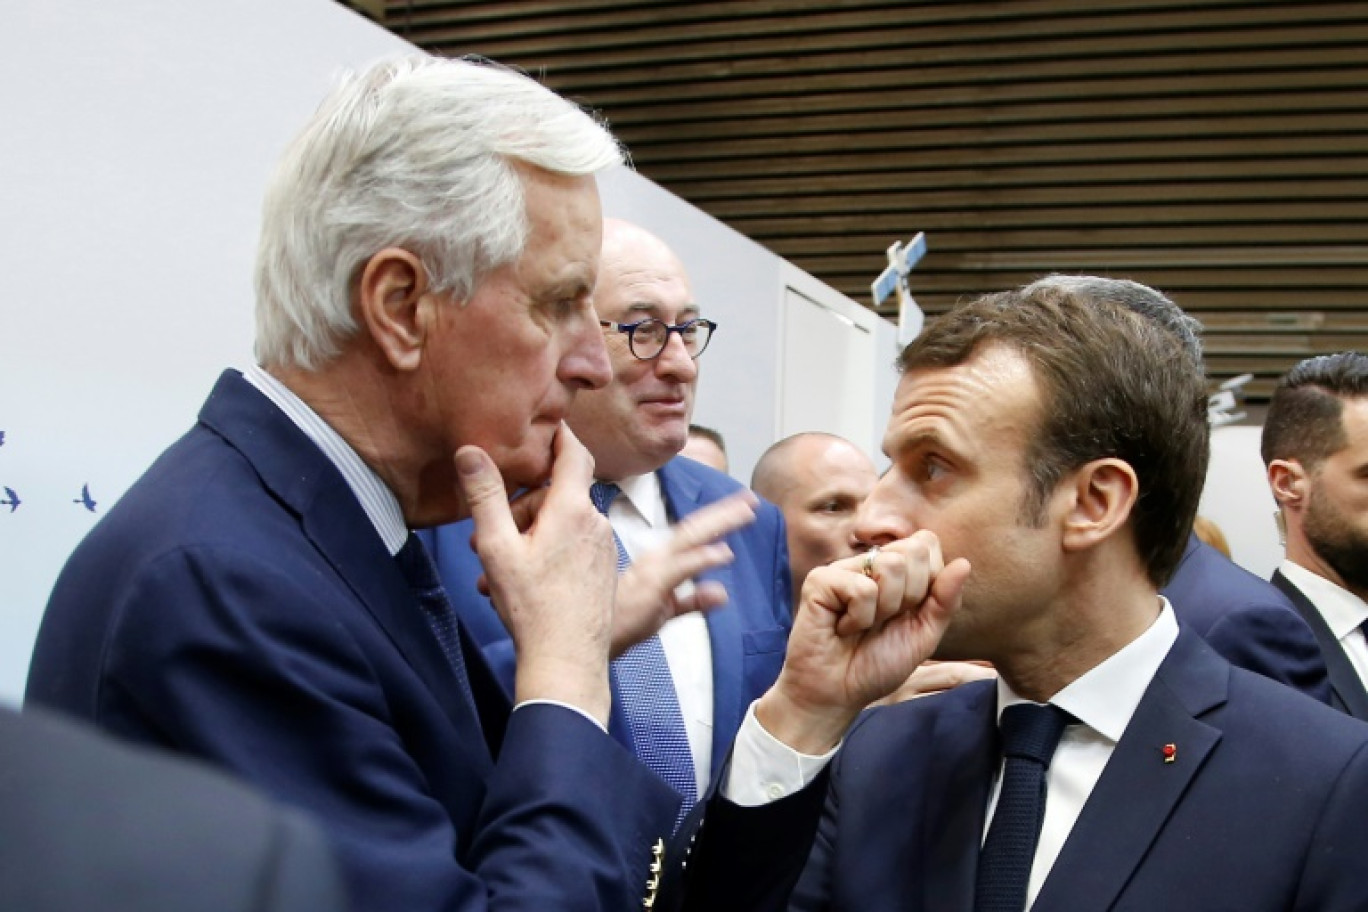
1170, 752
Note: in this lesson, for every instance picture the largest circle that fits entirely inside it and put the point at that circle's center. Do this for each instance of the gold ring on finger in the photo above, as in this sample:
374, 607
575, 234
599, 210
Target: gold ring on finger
868, 566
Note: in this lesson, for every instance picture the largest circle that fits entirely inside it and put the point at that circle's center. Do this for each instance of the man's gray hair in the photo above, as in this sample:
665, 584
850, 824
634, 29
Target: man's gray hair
417, 152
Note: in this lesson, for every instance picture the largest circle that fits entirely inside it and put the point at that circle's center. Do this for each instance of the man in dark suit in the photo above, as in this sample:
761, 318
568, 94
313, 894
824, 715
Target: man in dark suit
89, 823
1056, 439
1315, 448
677, 519
1246, 619
429, 247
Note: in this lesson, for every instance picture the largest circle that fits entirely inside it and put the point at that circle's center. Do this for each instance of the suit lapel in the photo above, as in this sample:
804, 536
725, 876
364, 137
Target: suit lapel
683, 495
1348, 690
1138, 790
298, 473
963, 756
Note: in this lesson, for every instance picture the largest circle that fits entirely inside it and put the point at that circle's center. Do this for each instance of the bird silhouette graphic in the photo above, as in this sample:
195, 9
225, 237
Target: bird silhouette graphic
11, 500
84, 500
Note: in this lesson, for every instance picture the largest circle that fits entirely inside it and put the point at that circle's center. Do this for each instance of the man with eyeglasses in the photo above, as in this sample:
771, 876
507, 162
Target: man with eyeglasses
691, 537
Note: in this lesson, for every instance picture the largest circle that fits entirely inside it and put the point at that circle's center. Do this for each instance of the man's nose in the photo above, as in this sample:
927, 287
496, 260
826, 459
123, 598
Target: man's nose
674, 362
881, 518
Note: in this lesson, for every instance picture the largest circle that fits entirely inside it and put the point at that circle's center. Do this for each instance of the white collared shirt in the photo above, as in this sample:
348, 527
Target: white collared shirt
1103, 700
640, 519
375, 497
1344, 612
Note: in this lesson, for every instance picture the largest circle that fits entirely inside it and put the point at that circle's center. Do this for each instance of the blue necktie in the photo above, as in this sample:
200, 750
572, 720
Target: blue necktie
644, 693
1030, 734
417, 567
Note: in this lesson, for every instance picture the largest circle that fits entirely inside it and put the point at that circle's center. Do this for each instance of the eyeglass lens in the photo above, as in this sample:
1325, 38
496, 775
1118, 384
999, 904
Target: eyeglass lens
651, 335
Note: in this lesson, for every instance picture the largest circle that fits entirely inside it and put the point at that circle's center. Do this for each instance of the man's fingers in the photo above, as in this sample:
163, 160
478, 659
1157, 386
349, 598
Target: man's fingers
483, 488
705, 596
714, 521
947, 589
675, 569
572, 468
526, 507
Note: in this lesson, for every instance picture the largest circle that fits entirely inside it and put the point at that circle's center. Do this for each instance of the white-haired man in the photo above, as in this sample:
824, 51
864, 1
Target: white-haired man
428, 248
257, 599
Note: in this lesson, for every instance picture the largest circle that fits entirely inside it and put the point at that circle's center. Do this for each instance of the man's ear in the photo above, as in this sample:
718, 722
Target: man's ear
1288, 481
394, 304
1102, 495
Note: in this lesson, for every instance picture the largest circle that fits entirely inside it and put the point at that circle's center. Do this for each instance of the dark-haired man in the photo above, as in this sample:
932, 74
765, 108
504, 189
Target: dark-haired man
1057, 438
1315, 447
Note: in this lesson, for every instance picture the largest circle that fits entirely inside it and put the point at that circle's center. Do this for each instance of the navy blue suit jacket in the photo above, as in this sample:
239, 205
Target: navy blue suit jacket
1261, 809
237, 604
748, 635
1347, 691
1246, 619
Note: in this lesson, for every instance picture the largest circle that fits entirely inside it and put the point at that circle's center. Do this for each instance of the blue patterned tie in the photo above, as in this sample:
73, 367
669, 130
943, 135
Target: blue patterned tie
1030, 734
644, 693
417, 567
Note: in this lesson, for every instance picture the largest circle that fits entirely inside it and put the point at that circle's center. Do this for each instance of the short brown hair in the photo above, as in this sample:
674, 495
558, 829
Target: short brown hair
1304, 418
1115, 382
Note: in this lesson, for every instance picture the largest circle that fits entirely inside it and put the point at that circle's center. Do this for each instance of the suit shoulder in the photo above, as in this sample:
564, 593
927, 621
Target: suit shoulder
1207, 585
1289, 715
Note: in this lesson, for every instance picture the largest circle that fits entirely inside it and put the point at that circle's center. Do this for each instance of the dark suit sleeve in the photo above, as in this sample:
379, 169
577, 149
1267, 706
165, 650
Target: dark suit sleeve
744, 859
235, 660
1272, 640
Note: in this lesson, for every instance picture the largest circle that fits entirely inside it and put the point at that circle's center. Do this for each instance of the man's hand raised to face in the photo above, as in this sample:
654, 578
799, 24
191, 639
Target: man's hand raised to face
551, 569
863, 626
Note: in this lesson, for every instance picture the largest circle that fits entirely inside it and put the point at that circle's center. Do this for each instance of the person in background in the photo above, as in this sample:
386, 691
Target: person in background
818, 482
1315, 448
706, 445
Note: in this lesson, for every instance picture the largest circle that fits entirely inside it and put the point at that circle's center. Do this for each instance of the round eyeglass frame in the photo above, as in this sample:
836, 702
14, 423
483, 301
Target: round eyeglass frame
630, 329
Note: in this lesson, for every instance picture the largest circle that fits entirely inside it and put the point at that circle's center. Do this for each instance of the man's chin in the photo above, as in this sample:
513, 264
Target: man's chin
523, 470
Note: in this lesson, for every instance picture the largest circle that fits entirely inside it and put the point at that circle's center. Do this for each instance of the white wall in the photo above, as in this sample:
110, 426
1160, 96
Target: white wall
136, 141
1237, 499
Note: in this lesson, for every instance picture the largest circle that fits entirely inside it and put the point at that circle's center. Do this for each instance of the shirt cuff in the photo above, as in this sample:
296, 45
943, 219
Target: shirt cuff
575, 709
764, 769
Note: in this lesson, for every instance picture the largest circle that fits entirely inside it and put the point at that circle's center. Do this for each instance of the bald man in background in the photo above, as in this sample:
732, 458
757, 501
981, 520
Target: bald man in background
818, 482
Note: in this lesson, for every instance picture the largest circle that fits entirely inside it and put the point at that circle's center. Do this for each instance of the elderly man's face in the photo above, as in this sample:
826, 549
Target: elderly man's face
957, 440
1336, 522
508, 362
640, 420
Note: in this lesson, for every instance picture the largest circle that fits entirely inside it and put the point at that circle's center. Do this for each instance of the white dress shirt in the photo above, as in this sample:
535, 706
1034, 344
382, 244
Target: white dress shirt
640, 519
1344, 612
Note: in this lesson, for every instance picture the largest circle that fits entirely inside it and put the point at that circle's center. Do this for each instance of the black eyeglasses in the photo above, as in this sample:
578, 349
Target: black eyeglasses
648, 338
